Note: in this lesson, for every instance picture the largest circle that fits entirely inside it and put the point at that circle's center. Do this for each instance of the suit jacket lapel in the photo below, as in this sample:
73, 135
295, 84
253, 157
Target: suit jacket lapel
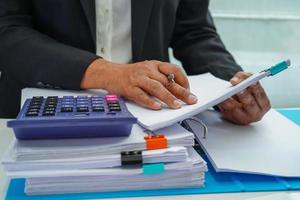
90, 13
140, 12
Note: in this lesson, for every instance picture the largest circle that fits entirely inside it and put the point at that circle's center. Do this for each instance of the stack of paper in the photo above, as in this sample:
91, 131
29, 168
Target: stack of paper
176, 175
94, 164
31, 149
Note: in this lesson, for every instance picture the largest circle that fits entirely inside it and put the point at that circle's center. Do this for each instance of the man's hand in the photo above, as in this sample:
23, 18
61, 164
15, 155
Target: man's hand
248, 106
140, 82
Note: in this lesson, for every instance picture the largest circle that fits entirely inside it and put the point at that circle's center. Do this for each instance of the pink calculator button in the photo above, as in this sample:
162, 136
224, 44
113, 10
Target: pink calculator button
111, 98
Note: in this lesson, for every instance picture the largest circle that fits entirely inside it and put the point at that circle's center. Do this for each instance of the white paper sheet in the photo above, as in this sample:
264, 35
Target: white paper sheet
271, 146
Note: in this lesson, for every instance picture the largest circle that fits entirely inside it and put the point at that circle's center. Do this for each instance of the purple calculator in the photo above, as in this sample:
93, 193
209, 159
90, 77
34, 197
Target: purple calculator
72, 117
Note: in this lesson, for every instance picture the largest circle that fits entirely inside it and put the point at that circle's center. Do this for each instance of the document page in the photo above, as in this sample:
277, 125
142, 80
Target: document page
269, 147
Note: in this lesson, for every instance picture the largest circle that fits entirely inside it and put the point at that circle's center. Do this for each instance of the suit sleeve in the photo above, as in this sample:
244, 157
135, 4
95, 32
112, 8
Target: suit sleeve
31, 57
197, 44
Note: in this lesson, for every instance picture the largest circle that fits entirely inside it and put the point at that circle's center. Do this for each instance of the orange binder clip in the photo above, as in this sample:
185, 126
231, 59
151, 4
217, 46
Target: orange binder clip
156, 142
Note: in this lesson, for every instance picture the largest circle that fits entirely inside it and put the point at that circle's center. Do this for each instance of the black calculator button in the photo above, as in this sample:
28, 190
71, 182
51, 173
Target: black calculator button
66, 109
36, 106
98, 109
49, 109
38, 97
112, 102
82, 109
113, 105
48, 113
33, 110
32, 114
34, 103
52, 98
114, 108
50, 106
51, 103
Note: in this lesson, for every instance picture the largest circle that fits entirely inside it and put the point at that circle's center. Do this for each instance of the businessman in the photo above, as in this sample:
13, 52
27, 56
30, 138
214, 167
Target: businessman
121, 46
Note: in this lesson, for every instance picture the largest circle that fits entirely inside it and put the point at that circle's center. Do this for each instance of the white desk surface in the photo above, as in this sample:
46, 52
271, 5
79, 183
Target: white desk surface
7, 135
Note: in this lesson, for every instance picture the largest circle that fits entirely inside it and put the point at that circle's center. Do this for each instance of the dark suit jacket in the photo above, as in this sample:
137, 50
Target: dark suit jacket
50, 43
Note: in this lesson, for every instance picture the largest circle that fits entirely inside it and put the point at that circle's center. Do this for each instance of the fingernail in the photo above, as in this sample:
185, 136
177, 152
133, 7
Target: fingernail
192, 98
157, 105
234, 79
177, 104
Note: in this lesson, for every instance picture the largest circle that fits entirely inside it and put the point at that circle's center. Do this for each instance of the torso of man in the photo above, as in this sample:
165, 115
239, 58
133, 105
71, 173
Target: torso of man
113, 26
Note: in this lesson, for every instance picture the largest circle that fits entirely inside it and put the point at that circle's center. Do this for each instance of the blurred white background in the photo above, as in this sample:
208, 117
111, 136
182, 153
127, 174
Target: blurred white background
260, 33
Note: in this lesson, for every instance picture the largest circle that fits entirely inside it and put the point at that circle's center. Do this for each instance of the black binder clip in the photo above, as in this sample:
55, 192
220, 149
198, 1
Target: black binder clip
131, 158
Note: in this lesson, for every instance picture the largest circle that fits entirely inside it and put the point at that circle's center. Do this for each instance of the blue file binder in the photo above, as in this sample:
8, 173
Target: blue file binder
215, 183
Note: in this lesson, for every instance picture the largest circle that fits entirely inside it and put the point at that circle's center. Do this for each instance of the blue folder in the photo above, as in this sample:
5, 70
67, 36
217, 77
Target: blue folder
215, 183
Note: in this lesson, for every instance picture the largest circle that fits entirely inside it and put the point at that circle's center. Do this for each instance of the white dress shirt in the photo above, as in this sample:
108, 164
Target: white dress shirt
113, 26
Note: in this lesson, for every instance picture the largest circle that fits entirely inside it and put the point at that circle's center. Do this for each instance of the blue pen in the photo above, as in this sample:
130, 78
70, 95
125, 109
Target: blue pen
277, 68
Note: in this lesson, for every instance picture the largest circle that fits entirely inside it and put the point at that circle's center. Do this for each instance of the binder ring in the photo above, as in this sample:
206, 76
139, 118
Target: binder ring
199, 121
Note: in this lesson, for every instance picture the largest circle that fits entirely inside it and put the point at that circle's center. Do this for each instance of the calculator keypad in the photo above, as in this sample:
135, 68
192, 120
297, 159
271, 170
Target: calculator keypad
34, 107
73, 117
69, 105
50, 106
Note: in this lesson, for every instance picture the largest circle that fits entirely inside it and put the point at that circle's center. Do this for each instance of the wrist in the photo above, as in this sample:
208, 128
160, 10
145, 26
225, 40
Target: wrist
94, 76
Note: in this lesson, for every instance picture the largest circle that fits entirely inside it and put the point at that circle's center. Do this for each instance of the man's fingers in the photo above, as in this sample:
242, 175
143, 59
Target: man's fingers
176, 89
157, 90
239, 77
182, 93
180, 77
250, 105
142, 98
232, 111
261, 97
230, 104
247, 106
156, 75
